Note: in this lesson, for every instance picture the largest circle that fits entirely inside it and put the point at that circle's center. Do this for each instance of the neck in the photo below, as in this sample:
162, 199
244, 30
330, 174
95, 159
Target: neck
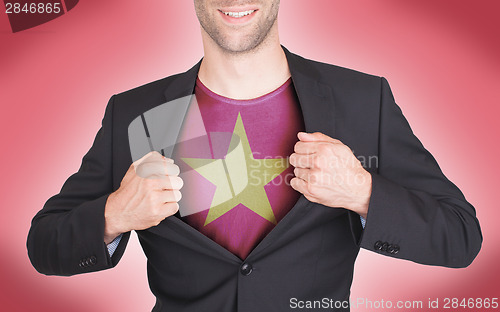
244, 75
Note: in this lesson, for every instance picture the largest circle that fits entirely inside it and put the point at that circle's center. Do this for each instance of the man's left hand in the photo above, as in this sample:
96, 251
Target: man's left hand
327, 172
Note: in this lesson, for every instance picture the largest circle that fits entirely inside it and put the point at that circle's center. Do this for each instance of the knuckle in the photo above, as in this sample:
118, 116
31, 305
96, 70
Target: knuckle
345, 149
148, 184
304, 162
148, 197
313, 177
154, 210
323, 148
159, 184
329, 150
168, 183
317, 161
156, 198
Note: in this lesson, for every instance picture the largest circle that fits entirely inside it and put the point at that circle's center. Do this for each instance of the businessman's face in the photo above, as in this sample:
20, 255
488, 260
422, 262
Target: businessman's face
237, 25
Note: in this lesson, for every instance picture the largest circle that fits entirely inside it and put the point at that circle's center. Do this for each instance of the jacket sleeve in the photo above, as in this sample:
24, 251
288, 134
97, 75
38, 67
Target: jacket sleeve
415, 212
67, 236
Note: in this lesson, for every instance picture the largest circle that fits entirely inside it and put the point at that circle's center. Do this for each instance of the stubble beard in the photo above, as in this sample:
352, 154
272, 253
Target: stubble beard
249, 43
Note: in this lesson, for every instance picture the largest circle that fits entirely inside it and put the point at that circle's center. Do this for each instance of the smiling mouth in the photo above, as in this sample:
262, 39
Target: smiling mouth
239, 14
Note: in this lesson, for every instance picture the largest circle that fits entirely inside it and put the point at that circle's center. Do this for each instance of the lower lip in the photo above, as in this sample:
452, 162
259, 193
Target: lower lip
237, 20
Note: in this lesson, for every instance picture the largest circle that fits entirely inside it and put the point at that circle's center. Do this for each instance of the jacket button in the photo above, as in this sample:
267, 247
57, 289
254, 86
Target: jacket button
390, 249
384, 246
83, 263
246, 269
378, 245
93, 260
395, 249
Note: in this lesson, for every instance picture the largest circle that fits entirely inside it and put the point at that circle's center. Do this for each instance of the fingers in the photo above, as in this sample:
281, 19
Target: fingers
171, 208
171, 196
152, 155
172, 183
298, 184
302, 147
303, 161
316, 137
311, 176
312, 143
157, 169
301, 186
301, 173
166, 183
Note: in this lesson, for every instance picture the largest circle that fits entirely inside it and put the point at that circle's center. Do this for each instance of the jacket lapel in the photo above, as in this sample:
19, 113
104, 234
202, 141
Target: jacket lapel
316, 98
317, 106
182, 84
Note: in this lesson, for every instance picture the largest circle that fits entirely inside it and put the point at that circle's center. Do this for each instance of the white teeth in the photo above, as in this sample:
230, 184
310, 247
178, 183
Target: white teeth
239, 14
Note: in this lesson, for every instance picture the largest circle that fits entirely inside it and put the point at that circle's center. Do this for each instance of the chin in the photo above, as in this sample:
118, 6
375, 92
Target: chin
239, 44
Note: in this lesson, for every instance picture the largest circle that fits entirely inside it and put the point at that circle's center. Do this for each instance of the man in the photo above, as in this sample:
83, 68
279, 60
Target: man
254, 248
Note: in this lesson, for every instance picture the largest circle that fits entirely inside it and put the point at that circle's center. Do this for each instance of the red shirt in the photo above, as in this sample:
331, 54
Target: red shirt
234, 163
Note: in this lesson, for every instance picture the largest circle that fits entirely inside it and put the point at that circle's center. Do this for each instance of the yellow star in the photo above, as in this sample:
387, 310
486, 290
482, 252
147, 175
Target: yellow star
239, 177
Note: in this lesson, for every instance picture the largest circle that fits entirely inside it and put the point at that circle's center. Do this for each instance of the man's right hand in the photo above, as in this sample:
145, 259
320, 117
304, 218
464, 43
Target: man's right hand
148, 193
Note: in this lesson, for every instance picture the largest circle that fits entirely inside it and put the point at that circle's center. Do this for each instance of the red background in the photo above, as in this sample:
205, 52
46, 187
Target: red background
440, 57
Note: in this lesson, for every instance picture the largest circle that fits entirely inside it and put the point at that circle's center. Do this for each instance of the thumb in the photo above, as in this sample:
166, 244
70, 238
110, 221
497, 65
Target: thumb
152, 156
316, 137
148, 156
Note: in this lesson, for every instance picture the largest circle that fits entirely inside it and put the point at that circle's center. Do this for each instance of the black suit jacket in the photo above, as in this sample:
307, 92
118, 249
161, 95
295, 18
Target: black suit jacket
415, 212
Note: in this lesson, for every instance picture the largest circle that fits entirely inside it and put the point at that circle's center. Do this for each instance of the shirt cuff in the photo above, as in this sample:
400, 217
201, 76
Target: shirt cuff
112, 246
363, 221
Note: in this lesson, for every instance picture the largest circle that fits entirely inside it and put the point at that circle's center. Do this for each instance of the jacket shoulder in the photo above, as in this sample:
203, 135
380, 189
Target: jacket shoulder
338, 75
149, 90
132, 103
